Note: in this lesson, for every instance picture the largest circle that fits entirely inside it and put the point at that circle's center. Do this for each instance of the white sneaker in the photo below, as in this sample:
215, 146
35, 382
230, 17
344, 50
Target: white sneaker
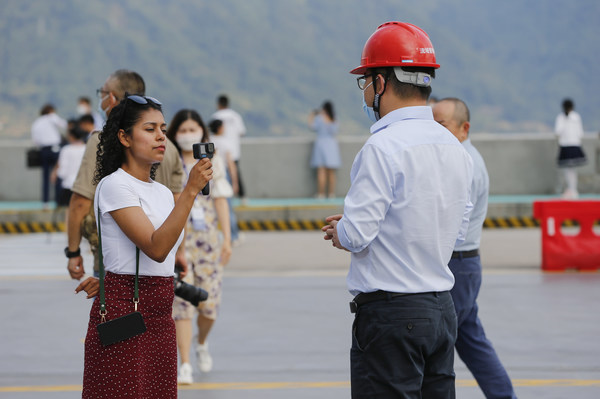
240, 240
185, 374
205, 362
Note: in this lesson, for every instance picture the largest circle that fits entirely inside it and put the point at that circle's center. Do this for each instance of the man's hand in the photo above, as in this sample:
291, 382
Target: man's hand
75, 267
79, 207
90, 285
330, 230
326, 228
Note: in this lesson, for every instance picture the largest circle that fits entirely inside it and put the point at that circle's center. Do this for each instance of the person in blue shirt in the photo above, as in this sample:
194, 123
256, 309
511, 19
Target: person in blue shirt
472, 346
326, 151
407, 206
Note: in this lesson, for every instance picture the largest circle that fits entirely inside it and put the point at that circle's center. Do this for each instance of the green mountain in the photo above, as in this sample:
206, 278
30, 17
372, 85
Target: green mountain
512, 61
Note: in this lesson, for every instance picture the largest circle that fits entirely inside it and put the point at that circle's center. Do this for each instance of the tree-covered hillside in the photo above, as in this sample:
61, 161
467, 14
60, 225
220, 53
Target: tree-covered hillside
512, 61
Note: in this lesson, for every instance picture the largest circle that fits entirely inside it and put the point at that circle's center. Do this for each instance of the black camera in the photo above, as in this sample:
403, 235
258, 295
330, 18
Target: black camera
188, 292
204, 150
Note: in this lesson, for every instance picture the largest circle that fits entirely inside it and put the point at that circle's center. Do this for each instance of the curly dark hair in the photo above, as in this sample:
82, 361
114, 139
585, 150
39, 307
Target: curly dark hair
111, 153
180, 117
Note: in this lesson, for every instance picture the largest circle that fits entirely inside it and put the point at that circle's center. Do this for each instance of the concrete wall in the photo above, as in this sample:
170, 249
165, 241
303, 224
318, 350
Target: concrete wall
279, 167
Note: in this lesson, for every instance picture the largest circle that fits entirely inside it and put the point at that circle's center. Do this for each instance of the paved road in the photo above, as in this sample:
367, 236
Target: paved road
284, 329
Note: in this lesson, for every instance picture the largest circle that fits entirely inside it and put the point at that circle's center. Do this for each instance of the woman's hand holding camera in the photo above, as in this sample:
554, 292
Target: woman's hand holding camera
200, 175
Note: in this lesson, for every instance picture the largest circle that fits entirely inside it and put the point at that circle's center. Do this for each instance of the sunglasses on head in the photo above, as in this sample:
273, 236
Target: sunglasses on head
143, 99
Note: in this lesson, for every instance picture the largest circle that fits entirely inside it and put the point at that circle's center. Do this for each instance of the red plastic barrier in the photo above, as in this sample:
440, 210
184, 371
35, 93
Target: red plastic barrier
559, 251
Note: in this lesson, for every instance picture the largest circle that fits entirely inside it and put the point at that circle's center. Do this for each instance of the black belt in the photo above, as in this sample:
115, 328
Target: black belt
465, 254
363, 298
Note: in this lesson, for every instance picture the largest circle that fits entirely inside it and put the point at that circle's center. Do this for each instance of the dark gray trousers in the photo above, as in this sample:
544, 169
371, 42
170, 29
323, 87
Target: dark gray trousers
403, 347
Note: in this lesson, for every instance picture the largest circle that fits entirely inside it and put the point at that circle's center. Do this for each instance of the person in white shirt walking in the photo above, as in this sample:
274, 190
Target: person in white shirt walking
569, 129
234, 130
472, 345
46, 133
407, 206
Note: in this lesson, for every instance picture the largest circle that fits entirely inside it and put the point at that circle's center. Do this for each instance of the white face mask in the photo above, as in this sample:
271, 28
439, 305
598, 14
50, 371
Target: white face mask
83, 109
101, 110
186, 141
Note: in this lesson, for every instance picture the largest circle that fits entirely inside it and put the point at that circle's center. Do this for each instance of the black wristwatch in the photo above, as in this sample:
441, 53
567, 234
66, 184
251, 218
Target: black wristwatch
73, 254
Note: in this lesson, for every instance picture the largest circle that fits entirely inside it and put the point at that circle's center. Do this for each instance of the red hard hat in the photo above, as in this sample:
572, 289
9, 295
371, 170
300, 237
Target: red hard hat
397, 44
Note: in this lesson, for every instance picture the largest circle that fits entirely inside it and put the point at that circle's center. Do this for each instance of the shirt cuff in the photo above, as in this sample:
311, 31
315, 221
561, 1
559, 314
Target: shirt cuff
343, 237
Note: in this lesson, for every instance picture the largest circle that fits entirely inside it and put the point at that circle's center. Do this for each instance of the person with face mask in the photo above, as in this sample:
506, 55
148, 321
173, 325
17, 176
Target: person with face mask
84, 107
207, 247
407, 206
81, 221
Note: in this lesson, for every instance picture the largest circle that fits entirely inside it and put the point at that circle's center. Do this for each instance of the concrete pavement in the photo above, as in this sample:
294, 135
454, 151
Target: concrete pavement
284, 331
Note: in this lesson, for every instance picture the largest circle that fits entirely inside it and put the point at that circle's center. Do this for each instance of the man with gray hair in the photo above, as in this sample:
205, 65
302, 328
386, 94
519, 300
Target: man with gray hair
471, 343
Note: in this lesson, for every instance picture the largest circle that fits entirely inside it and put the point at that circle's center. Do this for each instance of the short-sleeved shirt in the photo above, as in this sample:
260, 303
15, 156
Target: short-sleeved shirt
569, 129
46, 130
234, 129
169, 173
69, 161
121, 190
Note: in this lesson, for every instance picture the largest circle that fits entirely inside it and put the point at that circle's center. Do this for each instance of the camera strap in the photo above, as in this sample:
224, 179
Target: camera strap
136, 296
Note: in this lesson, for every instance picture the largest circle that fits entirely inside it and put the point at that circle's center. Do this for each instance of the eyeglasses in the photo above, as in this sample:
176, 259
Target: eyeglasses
362, 81
100, 92
143, 99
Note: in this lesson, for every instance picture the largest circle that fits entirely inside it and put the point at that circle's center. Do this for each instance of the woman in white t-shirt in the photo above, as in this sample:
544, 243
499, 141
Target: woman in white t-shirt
135, 211
569, 129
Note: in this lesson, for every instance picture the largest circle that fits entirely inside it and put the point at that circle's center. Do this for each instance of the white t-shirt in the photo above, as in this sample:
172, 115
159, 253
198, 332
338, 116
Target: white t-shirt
121, 190
46, 130
234, 129
569, 129
69, 161
222, 147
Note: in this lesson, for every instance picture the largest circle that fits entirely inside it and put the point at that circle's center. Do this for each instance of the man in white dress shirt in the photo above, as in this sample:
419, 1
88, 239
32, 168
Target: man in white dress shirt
46, 133
407, 206
472, 345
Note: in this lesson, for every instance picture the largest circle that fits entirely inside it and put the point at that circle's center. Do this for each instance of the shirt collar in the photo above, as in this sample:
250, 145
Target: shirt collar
400, 114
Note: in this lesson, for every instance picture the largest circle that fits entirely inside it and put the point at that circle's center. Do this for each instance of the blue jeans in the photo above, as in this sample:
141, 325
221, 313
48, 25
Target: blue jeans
472, 346
232, 217
403, 347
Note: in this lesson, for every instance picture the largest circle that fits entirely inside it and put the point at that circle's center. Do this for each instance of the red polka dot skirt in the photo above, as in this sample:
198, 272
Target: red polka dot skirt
144, 366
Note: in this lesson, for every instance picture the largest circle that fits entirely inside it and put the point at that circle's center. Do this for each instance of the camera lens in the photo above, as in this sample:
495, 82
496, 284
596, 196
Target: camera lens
189, 293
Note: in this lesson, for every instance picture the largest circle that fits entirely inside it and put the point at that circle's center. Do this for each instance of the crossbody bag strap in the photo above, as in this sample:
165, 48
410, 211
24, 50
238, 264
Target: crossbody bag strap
136, 295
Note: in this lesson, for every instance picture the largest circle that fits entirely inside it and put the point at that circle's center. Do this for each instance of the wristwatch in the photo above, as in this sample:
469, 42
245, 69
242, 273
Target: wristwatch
73, 254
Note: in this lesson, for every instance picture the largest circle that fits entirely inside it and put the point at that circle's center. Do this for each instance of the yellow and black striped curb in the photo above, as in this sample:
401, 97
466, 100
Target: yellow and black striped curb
492, 223
510, 222
276, 225
31, 227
